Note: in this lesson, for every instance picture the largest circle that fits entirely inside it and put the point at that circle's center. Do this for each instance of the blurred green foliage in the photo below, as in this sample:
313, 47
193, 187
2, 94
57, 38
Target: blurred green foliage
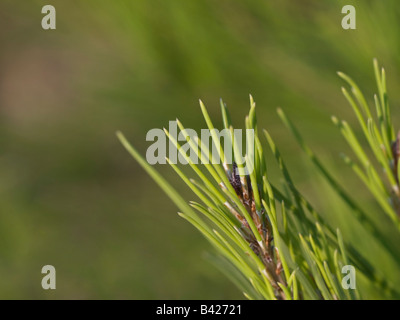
69, 194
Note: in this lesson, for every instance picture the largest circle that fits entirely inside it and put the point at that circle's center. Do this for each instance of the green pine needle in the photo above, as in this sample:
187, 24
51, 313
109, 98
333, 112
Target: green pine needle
276, 246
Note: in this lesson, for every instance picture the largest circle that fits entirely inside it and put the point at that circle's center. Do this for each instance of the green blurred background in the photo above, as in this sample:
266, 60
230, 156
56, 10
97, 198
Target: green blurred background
72, 197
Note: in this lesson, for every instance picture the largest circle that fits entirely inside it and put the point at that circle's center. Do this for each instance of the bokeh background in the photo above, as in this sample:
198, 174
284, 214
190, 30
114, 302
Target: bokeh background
72, 197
